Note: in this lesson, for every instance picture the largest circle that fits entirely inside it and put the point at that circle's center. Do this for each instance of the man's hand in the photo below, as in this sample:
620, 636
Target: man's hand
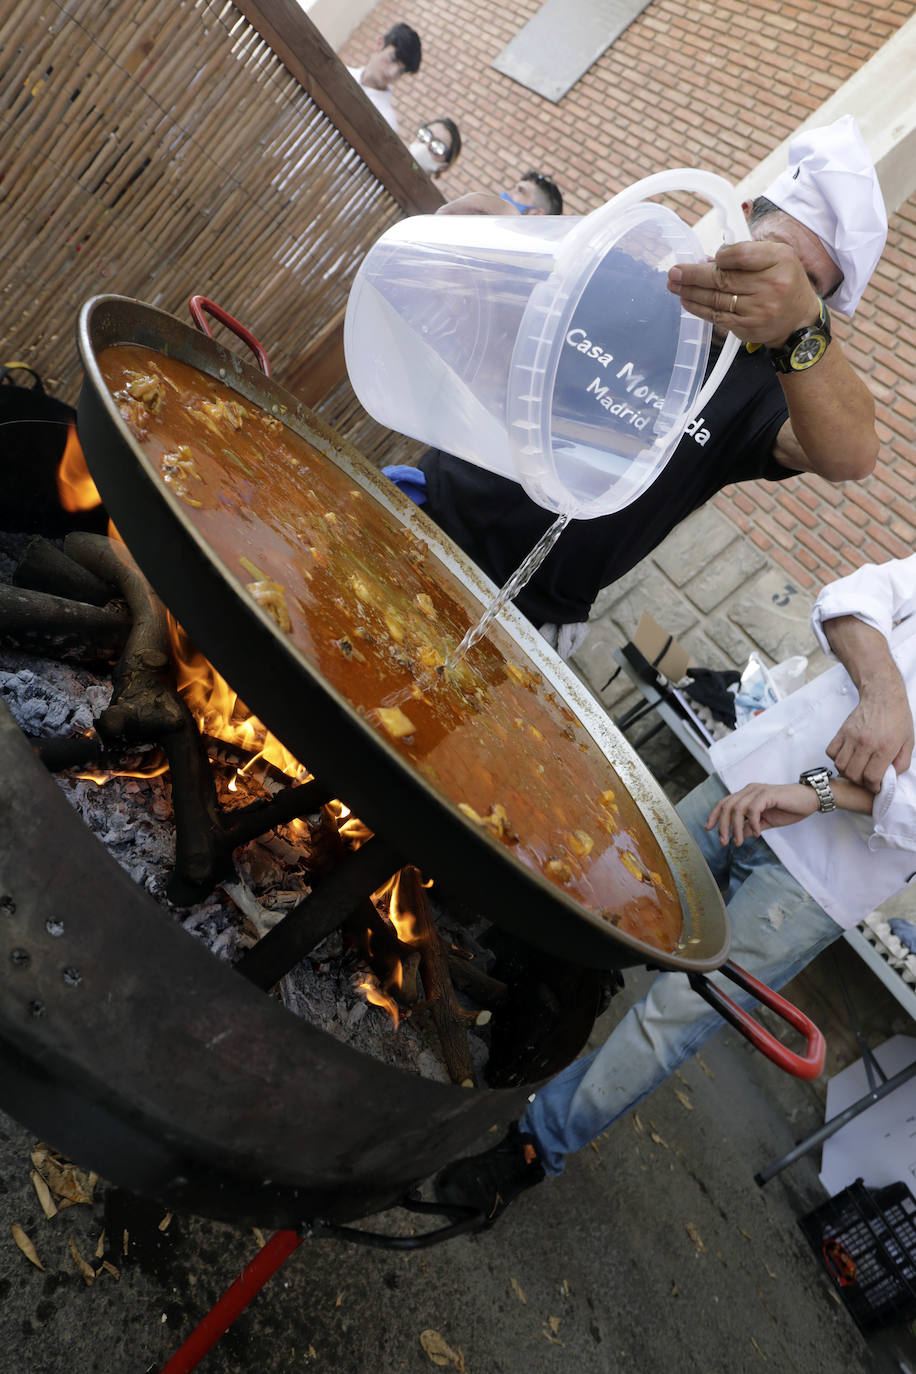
757, 289
477, 203
876, 735
879, 731
761, 806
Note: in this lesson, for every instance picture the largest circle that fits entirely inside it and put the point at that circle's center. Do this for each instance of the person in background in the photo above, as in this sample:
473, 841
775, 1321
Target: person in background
799, 856
396, 53
436, 146
533, 194
790, 403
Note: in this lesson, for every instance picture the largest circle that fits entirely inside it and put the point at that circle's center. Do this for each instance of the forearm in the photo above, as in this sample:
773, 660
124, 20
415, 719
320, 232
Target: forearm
761, 806
850, 797
831, 428
865, 654
878, 732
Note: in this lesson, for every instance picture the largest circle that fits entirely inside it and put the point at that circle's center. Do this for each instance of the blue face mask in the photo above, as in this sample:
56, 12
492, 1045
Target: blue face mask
522, 209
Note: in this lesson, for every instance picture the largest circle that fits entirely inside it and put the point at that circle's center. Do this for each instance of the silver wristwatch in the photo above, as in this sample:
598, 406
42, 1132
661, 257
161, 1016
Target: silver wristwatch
819, 779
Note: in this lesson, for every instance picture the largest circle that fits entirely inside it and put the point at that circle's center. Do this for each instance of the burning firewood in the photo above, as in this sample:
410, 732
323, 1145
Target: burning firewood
409, 913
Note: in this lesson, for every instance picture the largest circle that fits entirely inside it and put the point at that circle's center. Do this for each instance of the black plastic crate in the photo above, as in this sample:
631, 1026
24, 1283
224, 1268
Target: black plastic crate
866, 1240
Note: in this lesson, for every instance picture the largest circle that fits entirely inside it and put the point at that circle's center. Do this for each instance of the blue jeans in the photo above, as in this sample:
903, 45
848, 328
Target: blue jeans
776, 930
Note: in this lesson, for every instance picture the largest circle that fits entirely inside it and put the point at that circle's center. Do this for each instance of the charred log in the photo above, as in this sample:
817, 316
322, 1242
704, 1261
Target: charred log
481, 987
46, 568
31, 618
329, 904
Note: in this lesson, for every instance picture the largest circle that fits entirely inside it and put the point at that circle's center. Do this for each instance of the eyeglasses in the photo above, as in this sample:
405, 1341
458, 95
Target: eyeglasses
435, 145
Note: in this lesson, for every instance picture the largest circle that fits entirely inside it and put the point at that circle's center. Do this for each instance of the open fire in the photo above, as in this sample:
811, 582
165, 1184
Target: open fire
75, 487
389, 955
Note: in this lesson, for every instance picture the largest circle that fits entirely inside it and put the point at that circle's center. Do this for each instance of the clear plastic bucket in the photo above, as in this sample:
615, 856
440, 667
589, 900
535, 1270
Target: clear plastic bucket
547, 348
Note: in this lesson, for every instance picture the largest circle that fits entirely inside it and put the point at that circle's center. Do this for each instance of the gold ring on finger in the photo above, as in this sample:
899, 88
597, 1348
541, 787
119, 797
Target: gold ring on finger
732, 309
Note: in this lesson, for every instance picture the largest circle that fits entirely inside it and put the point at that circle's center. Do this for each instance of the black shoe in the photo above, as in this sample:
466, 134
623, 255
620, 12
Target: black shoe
490, 1181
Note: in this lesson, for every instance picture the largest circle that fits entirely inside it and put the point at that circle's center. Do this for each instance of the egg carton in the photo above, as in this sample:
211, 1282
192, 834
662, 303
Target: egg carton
877, 931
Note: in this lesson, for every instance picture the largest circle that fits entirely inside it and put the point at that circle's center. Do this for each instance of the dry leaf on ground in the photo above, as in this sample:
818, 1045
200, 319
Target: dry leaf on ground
44, 1194
518, 1290
86, 1270
549, 1330
683, 1099
25, 1245
68, 1184
440, 1352
694, 1235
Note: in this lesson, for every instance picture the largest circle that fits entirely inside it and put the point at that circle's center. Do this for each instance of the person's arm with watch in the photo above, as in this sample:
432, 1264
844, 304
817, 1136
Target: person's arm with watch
766, 806
759, 290
878, 732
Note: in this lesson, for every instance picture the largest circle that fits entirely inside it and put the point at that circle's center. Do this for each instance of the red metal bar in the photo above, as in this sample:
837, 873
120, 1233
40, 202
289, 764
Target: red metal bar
198, 304
808, 1065
235, 1299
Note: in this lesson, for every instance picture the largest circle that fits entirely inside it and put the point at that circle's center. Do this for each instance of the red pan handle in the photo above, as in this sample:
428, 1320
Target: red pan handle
808, 1065
198, 304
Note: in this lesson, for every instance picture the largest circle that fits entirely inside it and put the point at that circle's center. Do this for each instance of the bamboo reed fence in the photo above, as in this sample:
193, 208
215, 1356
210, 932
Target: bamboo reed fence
157, 149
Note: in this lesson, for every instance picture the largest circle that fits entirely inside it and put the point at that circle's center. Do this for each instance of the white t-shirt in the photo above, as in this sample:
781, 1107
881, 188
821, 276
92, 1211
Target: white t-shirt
381, 99
848, 863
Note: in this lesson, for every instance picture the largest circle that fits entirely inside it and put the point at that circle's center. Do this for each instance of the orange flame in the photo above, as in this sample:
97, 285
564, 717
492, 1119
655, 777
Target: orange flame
155, 769
219, 712
350, 827
390, 894
368, 986
75, 488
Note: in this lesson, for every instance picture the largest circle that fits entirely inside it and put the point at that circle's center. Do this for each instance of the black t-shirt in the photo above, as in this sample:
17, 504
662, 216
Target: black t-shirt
497, 524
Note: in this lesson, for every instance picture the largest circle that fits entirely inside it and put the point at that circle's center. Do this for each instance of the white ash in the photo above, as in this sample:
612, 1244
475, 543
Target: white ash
51, 699
133, 818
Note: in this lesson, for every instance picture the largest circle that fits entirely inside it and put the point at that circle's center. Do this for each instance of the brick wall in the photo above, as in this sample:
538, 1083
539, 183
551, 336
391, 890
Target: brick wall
714, 85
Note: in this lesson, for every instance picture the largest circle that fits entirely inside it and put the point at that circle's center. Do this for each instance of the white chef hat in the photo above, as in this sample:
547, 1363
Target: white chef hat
831, 187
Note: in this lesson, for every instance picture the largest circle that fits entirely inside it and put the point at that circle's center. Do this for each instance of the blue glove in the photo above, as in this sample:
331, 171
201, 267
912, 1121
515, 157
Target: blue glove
905, 932
411, 481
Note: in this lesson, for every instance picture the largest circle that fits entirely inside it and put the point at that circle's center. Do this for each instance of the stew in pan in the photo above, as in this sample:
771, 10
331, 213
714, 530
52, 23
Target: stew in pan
378, 613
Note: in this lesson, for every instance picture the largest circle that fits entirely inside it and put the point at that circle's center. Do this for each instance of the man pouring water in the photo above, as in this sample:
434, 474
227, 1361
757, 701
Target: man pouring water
790, 402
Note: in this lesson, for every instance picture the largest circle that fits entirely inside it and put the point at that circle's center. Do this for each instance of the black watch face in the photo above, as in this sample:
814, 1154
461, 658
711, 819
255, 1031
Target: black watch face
807, 351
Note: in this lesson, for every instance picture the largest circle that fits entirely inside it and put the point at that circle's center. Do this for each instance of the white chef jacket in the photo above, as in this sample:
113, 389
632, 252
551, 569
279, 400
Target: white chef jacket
848, 863
382, 100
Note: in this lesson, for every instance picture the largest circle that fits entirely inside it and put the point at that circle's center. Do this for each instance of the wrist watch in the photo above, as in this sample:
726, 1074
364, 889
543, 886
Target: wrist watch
819, 779
803, 348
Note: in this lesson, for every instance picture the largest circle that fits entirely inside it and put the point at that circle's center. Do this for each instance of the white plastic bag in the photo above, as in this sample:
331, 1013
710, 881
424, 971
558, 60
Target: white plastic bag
789, 675
756, 691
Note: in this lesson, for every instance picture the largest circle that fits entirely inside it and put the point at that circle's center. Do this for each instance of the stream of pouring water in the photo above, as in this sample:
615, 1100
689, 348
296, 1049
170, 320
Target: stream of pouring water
514, 585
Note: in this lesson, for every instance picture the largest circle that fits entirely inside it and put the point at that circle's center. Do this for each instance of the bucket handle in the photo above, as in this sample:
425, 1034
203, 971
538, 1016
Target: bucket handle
721, 195
809, 1065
